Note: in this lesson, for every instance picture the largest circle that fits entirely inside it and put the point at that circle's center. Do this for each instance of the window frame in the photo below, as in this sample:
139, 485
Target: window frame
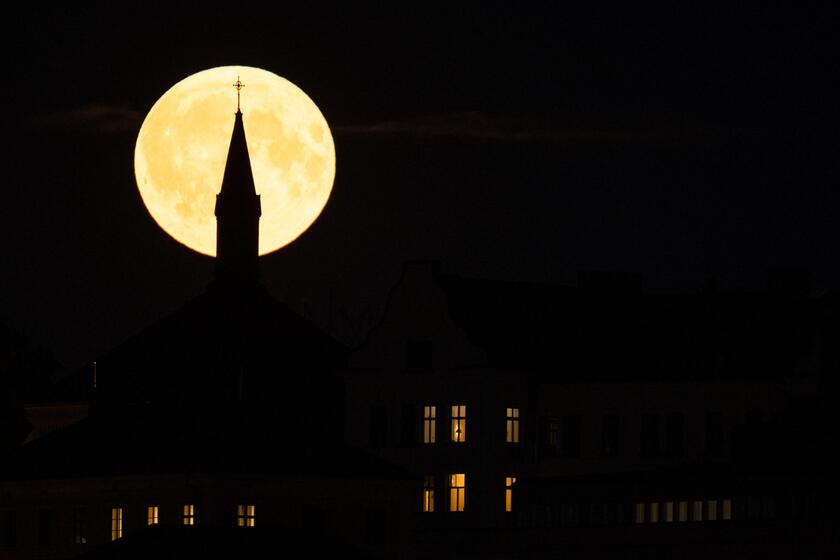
512, 416
458, 492
429, 423
116, 523
458, 423
428, 496
246, 515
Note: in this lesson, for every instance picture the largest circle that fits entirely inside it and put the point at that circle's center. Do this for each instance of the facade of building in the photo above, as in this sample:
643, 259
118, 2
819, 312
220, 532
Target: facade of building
600, 421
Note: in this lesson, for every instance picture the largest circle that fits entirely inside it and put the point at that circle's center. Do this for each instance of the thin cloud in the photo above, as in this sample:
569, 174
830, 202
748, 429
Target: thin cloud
102, 119
474, 125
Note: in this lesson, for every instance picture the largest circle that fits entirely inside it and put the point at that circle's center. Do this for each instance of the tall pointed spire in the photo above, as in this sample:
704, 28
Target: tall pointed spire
238, 211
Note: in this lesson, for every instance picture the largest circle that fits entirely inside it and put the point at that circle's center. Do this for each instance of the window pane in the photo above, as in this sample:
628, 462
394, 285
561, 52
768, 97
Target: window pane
640, 512
457, 483
711, 510
653, 508
669, 512
697, 510
683, 511
727, 510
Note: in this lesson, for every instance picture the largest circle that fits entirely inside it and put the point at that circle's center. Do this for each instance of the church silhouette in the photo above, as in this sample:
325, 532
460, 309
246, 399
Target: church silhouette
478, 419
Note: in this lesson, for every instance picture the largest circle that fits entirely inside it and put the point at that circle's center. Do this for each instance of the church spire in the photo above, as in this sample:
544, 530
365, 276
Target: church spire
237, 211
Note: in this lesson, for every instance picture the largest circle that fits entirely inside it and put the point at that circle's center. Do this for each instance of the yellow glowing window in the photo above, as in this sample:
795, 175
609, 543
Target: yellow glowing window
640, 512
457, 486
711, 510
245, 515
669, 512
116, 523
428, 494
429, 424
152, 515
512, 426
697, 510
726, 514
653, 512
189, 514
683, 511
459, 423
509, 482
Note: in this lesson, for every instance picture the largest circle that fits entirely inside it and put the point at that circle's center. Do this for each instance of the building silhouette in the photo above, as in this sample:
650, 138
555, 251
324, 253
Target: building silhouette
226, 414
479, 419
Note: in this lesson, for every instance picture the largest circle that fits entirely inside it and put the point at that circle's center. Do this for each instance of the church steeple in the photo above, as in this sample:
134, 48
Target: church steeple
237, 212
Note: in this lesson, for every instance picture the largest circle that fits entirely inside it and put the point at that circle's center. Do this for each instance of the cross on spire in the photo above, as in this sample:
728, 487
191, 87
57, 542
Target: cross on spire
238, 85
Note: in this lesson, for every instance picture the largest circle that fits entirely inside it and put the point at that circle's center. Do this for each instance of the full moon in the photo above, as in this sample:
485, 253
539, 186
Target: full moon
182, 147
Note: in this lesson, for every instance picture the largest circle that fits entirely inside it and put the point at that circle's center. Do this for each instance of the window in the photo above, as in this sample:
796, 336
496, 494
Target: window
80, 526
189, 514
429, 424
116, 523
152, 515
459, 423
509, 482
512, 426
653, 512
245, 515
457, 485
683, 512
640, 512
726, 514
428, 494
711, 510
669, 512
697, 510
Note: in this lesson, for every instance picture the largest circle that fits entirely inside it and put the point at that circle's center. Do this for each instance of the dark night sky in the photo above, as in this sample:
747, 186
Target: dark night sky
679, 145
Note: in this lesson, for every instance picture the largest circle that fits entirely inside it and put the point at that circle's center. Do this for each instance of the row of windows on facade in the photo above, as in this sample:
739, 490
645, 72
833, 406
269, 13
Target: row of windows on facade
457, 424
245, 517
660, 434
457, 492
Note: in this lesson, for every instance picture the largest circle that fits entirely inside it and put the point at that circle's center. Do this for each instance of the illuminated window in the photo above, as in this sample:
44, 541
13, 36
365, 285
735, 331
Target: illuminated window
697, 510
457, 485
80, 526
509, 482
116, 523
711, 510
189, 514
152, 515
428, 494
683, 512
245, 515
429, 424
726, 514
669, 512
653, 512
459, 423
512, 424
640, 512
